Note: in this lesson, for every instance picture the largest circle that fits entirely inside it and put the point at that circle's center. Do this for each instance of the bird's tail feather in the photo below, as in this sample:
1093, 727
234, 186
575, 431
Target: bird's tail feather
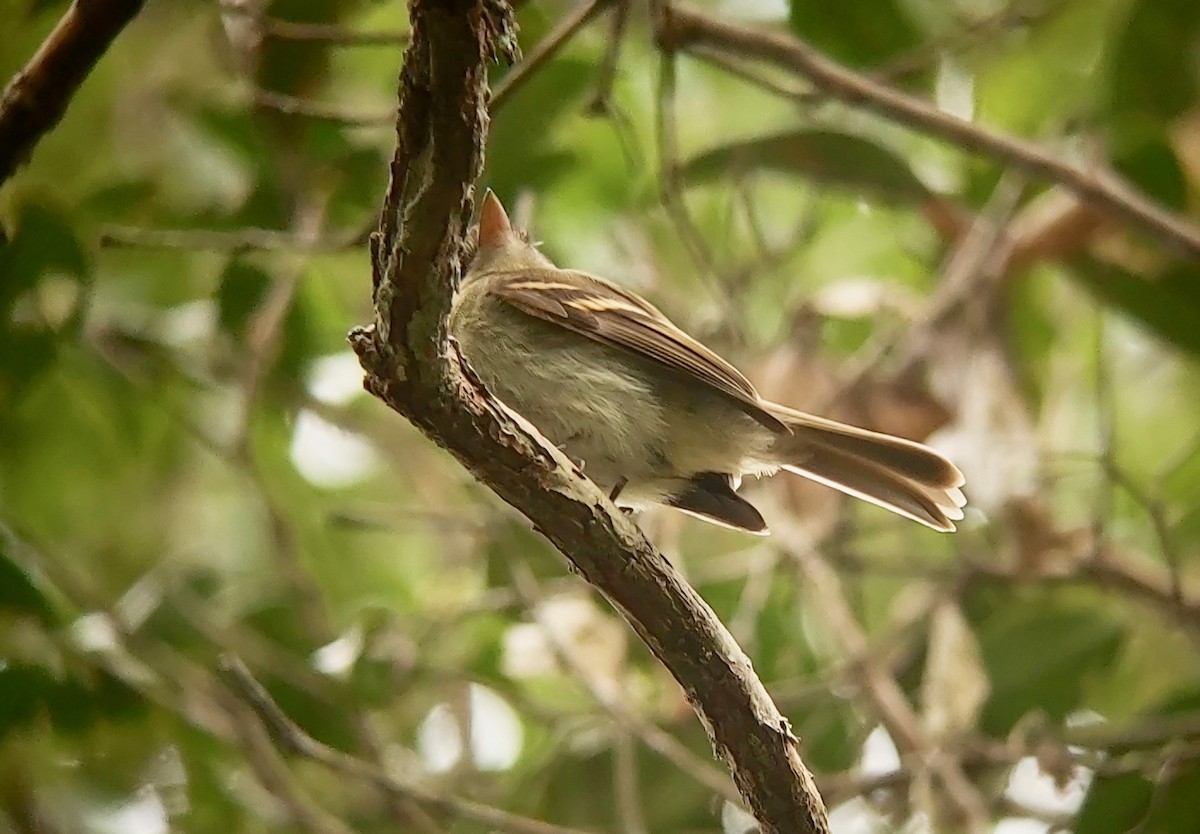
899, 475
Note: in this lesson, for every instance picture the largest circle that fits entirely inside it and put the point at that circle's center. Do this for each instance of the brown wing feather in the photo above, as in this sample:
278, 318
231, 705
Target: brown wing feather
610, 315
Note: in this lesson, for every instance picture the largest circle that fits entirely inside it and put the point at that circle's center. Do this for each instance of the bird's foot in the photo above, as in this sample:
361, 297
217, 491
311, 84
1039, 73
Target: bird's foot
616, 490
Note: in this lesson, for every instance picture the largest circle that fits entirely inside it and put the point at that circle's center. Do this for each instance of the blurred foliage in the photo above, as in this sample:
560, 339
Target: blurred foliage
189, 469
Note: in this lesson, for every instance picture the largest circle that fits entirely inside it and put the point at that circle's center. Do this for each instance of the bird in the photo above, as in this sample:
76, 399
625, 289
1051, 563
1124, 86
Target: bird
649, 413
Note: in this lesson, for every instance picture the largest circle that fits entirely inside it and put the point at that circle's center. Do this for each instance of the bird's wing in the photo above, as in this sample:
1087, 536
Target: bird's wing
608, 314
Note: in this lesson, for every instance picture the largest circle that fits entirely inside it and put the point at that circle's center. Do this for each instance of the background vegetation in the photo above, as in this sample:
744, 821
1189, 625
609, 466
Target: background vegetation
189, 470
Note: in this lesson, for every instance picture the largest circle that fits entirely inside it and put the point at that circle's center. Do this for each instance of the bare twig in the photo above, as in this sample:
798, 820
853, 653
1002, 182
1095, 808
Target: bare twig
652, 736
274, 775
546, 49
1153, 507
296, 106
215, 240
37, 97
760, 579
894, 709
738, 68
1112, 569
601, 100
291, 738
1107, 430
415, 368
972, 33
1165, 594
628, 796
265, 330
330, 33
981, 253
670, 186
1056, 225
689, 27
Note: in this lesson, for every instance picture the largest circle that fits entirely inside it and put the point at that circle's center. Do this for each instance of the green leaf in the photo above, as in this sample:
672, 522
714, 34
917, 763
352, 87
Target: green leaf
1167, 304
1154, 74
37, 242
330, 723
1039, 650
1162, 800
73, 704
826, 157
26, 353
242, 289
859, 32
121, 198
22, 690
19, 589
832, 736
1154, 167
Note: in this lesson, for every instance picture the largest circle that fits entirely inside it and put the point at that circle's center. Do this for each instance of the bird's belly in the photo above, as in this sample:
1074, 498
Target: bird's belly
603, 416
603, 408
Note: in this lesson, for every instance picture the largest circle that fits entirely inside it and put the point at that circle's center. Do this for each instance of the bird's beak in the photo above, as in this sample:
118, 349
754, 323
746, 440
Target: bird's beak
494, 226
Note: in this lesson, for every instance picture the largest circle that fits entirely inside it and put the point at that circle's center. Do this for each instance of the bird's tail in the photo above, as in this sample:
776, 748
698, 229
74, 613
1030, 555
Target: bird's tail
896, 474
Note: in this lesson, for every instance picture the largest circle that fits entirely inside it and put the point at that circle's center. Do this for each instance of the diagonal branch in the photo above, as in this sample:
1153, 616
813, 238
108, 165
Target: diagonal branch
688, 28
892, 705
36, 98
546, 49
289, 737
414, 367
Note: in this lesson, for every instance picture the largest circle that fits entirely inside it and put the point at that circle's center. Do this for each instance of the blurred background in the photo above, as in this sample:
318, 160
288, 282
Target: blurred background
189, 469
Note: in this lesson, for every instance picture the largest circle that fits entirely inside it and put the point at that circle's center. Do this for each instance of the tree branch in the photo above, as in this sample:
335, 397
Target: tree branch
892, 705
546, 49
415, 368
36, 98
291, 738
629, 721
688, 28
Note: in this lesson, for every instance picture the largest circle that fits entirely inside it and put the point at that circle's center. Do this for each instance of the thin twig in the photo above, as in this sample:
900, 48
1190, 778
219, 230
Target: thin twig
289, 736
902, 722
601, 102
1152, 506
215, 240
274, 775
330, 33
737, 67
981, 253
670, 186
1110, 570
37, 97
1106, 428
526, 586
264, 333
296, 106
625, 781
972, 33
546, 49
756, 591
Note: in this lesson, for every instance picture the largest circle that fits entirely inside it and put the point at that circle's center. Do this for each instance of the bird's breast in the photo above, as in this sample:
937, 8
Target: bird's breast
594, 403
